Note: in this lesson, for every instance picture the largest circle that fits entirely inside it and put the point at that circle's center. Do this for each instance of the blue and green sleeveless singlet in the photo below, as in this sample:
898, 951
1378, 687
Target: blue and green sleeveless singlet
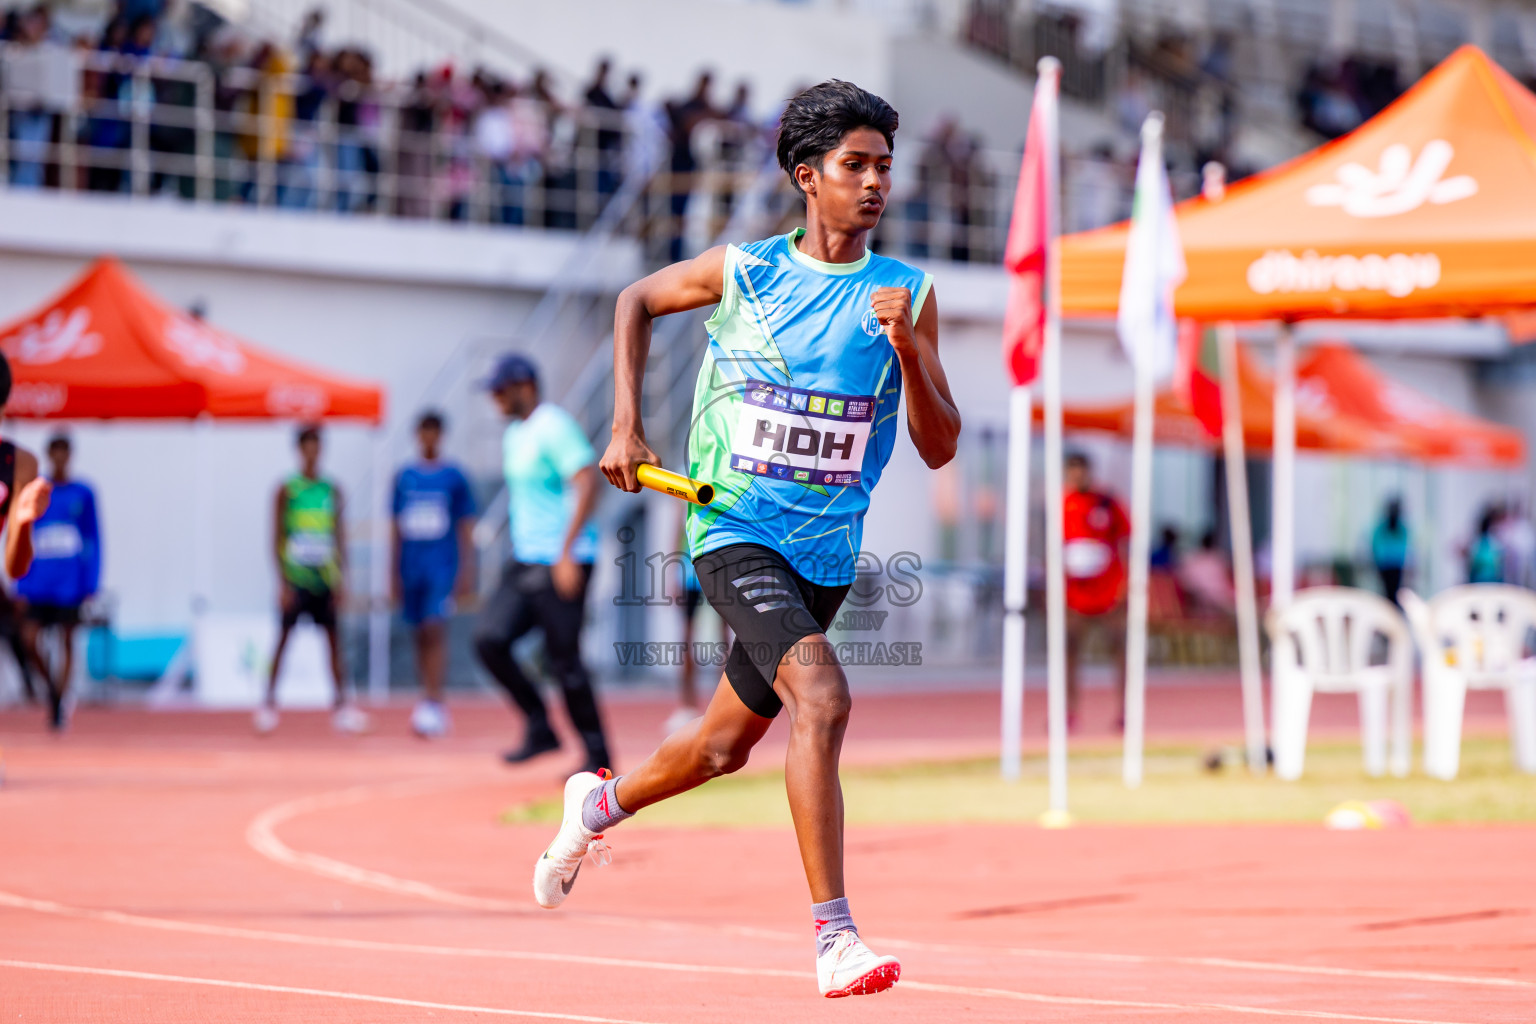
794, 413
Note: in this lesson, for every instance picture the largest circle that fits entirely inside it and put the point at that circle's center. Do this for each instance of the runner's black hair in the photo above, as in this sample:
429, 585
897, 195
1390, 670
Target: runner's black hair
308, 432
815, 122
59, 441
430, 419
5, 380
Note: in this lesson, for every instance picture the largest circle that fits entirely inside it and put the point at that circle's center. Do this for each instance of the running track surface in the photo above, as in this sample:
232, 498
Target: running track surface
170, 867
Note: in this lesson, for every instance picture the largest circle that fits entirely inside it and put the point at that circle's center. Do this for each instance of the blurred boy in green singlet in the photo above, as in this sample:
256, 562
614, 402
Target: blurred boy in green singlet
310, 549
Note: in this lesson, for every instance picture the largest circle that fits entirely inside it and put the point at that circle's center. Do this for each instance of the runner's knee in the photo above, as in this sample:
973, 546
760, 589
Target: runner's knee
717, 756
822, 703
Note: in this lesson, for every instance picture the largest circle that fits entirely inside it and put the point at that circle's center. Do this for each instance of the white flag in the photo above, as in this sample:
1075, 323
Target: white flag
1154, 263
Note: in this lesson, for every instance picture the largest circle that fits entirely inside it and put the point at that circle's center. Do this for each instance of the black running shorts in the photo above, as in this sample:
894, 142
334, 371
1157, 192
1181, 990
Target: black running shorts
770, 607
319, 606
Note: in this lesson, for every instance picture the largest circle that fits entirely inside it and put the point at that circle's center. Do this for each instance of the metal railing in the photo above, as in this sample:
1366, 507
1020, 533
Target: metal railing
449, 150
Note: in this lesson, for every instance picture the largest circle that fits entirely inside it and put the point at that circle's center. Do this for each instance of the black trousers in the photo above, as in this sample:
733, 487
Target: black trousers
526, 599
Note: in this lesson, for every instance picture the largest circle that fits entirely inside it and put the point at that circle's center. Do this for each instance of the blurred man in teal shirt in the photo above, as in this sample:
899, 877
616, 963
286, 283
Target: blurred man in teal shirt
551, 477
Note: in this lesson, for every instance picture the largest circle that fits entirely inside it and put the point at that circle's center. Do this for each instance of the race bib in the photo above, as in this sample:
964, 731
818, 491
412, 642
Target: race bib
806, 437
424, 520
56, 540
1085, 558
312, 550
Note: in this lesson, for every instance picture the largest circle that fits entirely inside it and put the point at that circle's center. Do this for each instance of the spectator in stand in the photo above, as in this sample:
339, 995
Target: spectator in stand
65, 573
434, 563
1097, 189
1485, 556
31, 75
307, 44
1206, 578
935, 174
604, 131
413, 154
1389, 548
683, 119
1095, 530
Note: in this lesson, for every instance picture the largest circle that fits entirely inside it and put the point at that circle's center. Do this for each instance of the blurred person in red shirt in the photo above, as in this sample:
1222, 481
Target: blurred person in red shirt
1095, 529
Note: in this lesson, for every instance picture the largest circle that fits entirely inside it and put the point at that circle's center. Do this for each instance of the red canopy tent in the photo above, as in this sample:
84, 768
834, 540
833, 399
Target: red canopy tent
1176, 423
1342, 405
1333, 380
108, 348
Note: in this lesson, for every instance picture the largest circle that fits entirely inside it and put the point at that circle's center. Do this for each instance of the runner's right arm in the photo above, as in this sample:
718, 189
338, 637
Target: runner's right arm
31, 501
682, 286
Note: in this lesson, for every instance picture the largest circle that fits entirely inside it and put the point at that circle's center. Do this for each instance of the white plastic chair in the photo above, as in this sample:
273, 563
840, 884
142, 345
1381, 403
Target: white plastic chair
1324, 641
1474, 637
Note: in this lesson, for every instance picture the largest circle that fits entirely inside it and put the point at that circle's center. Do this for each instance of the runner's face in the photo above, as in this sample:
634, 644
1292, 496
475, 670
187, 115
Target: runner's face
428, 438
58, 458
309, 452
517, 400
1076, 477
850, 190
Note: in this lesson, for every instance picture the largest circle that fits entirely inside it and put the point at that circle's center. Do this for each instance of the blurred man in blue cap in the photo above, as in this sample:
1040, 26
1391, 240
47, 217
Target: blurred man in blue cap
551, 476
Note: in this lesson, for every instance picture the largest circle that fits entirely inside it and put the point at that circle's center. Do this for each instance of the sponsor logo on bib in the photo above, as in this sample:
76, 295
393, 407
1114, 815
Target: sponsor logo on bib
824, 444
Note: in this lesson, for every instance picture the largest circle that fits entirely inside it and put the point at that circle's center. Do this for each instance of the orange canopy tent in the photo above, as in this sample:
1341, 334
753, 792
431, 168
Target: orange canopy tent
1425, 211
108, 348
1333, 380
1342, 405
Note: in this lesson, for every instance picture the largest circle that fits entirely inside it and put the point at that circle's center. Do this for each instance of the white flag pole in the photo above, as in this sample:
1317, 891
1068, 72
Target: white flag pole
1283, 520
1141, 513
1055, 582
1242, 550
1015, 580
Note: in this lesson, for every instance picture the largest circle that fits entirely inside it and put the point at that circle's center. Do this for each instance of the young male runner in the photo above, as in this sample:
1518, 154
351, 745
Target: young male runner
66, 571
813, 345
434, 562
310, 548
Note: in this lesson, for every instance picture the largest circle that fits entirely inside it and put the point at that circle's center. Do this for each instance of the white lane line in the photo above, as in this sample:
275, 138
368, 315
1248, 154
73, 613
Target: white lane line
375, 946
369, 945
1127, 1004
1215, 961
356, 997
262, 837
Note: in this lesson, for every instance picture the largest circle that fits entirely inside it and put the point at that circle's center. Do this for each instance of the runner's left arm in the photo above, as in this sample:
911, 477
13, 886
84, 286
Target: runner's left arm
933, 420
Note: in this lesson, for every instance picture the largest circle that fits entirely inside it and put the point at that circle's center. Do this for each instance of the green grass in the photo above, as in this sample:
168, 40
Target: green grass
1176, 789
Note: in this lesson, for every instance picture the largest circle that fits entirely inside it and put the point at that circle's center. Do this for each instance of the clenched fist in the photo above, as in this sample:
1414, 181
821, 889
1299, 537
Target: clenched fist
32, 502
893, 308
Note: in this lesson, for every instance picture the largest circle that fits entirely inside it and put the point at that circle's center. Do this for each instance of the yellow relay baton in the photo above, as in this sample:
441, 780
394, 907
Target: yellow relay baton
675, 484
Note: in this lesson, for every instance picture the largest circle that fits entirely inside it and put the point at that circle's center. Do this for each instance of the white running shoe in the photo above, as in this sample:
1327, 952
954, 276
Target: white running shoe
264, 719
555, 872
350, 720
848, 968
429, 719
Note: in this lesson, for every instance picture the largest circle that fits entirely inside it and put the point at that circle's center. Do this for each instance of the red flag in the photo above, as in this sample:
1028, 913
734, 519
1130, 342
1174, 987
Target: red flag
1199, 374
1025, 256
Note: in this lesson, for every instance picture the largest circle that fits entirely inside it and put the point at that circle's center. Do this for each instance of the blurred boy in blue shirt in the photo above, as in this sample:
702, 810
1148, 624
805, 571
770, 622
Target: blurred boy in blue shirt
65, 572
434, 560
